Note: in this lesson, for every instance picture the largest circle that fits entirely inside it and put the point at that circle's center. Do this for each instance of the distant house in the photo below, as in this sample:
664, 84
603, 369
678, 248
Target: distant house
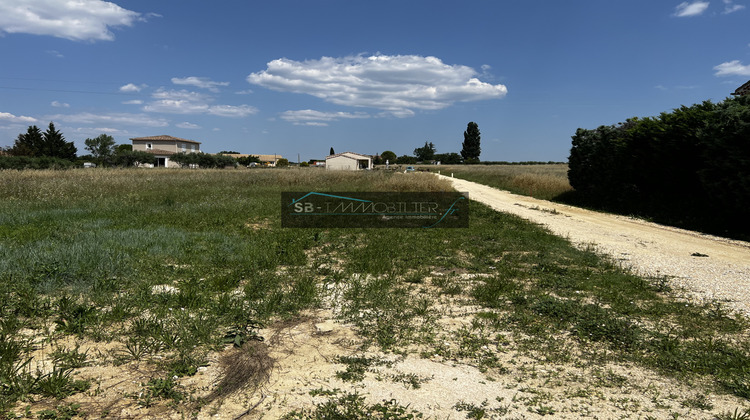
348, 161
320, 163
265, 160
163, 147
743, 90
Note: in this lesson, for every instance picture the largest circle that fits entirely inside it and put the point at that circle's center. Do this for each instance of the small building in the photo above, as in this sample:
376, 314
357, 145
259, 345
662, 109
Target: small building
163, 147
743, 90
349, 161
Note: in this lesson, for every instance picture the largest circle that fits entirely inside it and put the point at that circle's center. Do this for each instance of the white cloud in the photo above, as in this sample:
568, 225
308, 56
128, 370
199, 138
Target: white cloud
186, 102
6, 116
57, 104
132, 88
133, 102
695, 8
318, 118
141, 120
730, 7
187, 125
178, 102
732, 68
394, 84
201, 82
79, 20
232, 111
55, 53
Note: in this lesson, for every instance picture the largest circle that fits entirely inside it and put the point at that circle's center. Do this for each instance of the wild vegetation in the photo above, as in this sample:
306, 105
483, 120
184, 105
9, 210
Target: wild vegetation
544, 181
689, 167
167, 267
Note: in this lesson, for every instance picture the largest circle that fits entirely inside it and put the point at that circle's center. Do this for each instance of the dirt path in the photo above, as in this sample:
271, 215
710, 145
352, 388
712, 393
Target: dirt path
704, 266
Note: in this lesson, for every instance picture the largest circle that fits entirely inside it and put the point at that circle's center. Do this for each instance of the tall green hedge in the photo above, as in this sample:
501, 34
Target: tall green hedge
689, 167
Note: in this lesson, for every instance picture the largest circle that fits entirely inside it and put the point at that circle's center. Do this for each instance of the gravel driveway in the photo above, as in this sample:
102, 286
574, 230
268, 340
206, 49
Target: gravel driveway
703, 266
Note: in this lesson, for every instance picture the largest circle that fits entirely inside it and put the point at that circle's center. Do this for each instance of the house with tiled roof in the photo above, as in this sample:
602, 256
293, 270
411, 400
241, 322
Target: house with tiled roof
163, 147
743, 90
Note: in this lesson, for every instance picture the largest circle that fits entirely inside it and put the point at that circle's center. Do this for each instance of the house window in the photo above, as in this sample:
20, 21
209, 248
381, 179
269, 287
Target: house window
184, 147
149, 146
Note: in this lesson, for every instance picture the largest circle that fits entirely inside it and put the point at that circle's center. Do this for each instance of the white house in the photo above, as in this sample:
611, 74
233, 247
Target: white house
164, 147
348, 161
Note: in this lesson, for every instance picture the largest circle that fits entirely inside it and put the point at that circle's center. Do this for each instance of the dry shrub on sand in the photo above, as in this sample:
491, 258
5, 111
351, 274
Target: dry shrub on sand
247, 367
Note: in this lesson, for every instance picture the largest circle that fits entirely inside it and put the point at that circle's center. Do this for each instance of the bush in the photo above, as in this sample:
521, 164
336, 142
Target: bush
26, 162
689, 167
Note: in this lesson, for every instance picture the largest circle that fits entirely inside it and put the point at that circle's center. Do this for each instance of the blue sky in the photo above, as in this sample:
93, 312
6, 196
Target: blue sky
299, 77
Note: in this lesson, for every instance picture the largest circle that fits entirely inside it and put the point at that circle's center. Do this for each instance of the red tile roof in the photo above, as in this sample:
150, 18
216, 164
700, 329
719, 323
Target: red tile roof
164, 138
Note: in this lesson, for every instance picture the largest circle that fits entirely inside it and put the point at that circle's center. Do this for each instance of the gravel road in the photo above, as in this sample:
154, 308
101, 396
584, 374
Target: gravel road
703, 266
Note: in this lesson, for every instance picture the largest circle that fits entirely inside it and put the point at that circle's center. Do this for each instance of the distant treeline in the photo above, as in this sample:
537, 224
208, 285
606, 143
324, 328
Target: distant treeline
689, 167
525, 162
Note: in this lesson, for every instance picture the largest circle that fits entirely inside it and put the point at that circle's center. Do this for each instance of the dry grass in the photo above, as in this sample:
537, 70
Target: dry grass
539, 181
248, 367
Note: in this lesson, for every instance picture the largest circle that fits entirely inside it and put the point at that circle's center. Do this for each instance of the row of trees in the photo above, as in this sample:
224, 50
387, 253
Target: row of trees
470, 151
689, 167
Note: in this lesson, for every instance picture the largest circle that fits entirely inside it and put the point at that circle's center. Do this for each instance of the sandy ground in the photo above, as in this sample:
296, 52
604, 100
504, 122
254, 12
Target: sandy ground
707, 267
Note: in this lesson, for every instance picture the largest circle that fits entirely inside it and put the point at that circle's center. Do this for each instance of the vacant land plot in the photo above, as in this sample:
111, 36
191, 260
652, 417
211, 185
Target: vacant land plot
170, 294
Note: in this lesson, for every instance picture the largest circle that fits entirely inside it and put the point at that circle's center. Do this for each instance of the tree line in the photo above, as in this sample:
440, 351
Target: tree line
689, 167
35, 149
470, 152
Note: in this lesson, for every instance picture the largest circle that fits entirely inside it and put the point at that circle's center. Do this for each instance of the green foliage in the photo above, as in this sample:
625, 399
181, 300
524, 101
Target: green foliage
406, 160
51, 143
246, 160
204, 160
452, 158
353, 406
128, 158
101, 147
689, 167
304, 164
426, 152
27, 162
389, 156
470, 148
282, 163
123, 148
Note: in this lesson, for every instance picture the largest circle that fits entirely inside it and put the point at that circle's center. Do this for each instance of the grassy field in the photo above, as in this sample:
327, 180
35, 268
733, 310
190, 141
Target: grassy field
167, 267
544, 181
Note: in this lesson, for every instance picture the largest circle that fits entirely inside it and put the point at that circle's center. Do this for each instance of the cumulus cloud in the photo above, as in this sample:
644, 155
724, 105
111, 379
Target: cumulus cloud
6, 116
80, 20
397, 85
200, 82
695, 8
133, 102
187, 102
141, 120
131, 88
732, 68
187, 125
318, 118
57, 104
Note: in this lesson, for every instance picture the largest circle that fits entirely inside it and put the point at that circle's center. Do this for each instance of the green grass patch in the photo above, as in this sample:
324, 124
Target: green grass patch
171, 265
